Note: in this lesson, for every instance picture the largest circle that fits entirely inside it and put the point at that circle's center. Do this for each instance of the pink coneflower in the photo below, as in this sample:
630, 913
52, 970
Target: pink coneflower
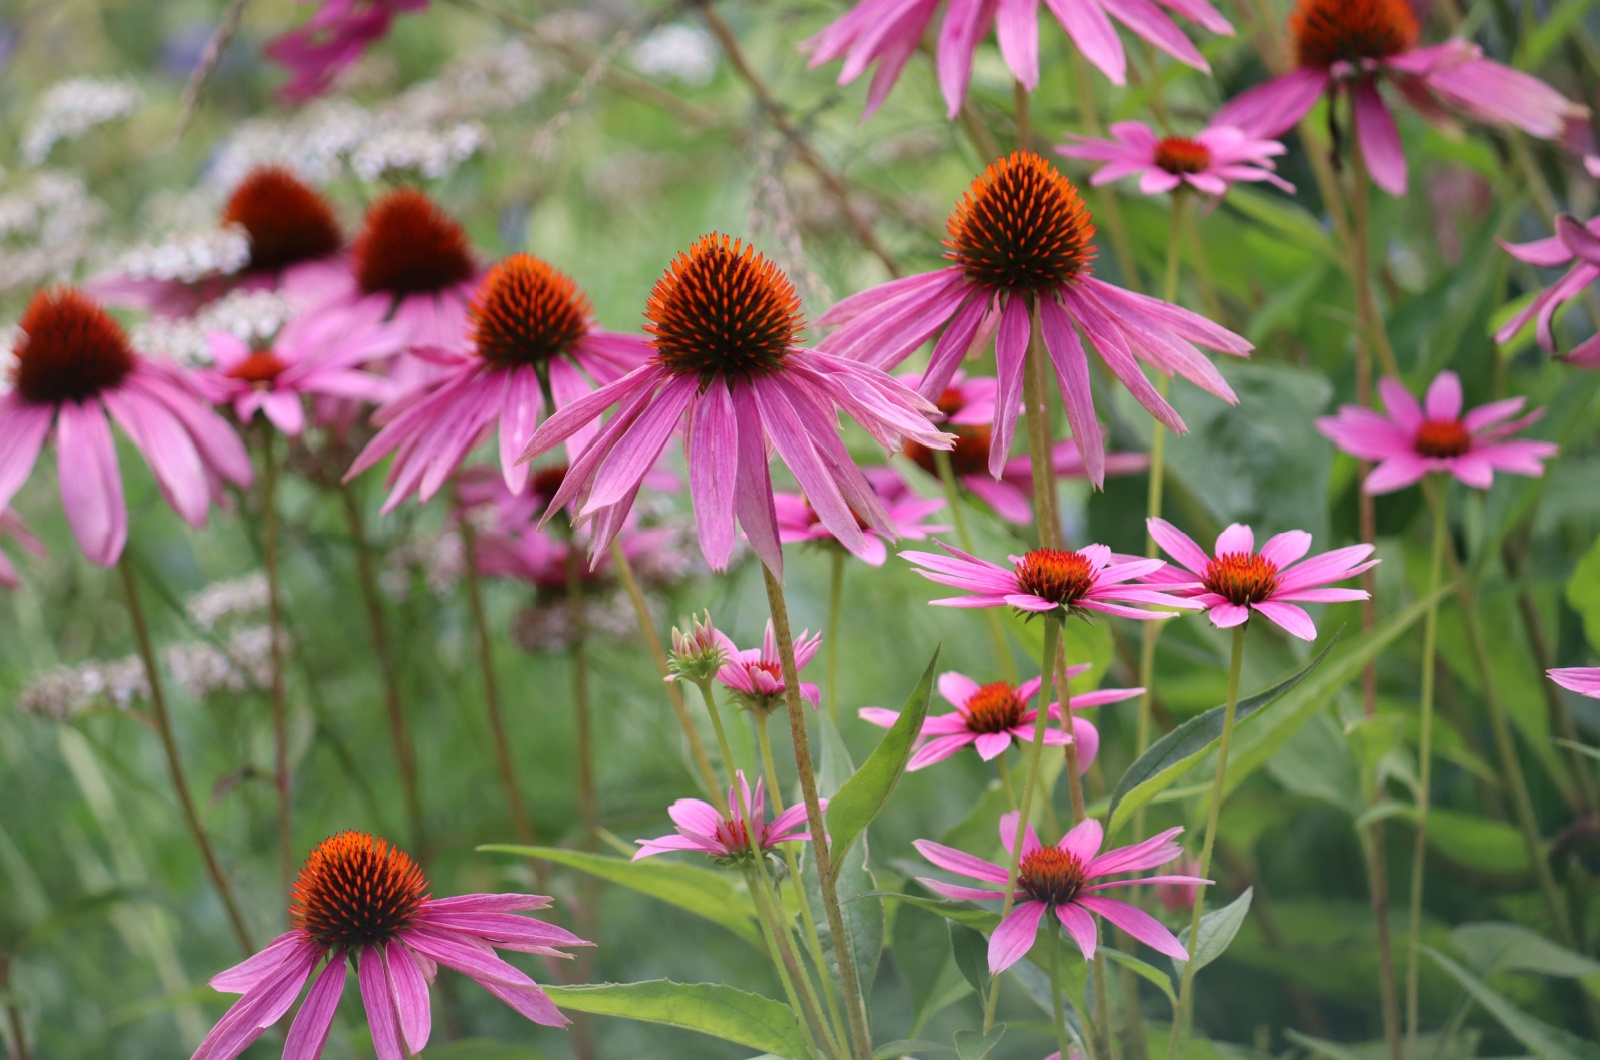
539, 558
1345, 47
1180, 897
724, 321
1413, 440
1058, 880
729, 839
756, 674
798, 522
991, 717
73, 365
1022, 236
338, 33
1239, 580
314, 355
887, 32
531, 333
1208, 162
1053, 579
968, 408
12, 526
1577, 244
1584, 680
358, 900
296, 247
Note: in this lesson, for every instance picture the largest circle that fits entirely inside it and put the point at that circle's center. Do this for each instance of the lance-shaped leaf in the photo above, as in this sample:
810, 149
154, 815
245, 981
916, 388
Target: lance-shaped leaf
711, 1008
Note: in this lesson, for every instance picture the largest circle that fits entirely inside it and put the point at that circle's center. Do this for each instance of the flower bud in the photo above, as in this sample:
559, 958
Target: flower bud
698, 654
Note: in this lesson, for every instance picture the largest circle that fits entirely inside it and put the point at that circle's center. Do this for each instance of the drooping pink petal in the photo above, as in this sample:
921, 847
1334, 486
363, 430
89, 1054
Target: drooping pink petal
1080, 925
1136, 922
1015, 936
309, 1031
1379, 138
960, 862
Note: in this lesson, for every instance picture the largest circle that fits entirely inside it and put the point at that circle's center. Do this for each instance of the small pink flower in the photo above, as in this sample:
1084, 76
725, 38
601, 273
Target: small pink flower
313, 355
701, 827
362, 902
888, 32
1577, 244
1053, 579
1209, 161
1057, 880
1584, 680
1180, 897
1413, 440
756, 674
73, 365
991, 717
332, 41
798, 521
1238, 580
1346, 47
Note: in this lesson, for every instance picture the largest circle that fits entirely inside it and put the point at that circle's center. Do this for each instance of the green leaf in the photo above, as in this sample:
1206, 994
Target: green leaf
1148, 972
970, 1045
863, 921
1317, 763
1503, 947
1583, 593
697, 890
861, 797
960, 912
921, 953
1583, 749
1550, 1043
711, 1008
1284, 216
1553, 29
971, 952
1487, 846
1320, 1047
1176, 753
1217, 929
907, 1046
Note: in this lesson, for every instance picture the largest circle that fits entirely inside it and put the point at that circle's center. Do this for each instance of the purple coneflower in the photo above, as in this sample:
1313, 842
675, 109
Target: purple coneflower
1057, 880
360, 901
1577, 244
702, 828
1208, 162
335, 37
1413, 440
1021, 240
756, 674
1239, 580
1091, 578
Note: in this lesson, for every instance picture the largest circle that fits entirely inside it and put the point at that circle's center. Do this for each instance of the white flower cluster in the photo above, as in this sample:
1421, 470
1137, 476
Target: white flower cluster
677, 52
253, 316
70, 691
313, 142
47, 228
425, 150
485, 81
440, 557
189, 256
243, 664
69, 109
221, 601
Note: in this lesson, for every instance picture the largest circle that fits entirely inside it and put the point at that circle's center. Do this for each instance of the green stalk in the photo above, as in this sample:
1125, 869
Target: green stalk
1052, 954
1181, 1021
1419, 859
831, 646
708, 694
783, 960
1005, 780
280, 719
952, 496
588, 795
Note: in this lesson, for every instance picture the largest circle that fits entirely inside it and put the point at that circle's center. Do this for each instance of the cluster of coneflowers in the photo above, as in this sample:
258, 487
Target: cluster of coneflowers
406, 348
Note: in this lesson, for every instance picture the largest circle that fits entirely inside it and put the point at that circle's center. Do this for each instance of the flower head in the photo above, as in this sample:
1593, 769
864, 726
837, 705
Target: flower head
698, 654
1237, 579
888, 32
1209, 161
723, 322
1584, 680
1072, 582
337, 35
72, 366
1577, 244
361, 901
992, 717
1413, 440
732, 839
798, 521
755, 675
1021, 237
1346, 47
1060, 880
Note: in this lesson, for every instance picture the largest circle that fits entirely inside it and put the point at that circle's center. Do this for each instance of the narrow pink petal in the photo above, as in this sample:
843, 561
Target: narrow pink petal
937, 750
1226, 616
91, 486
455, 951
1010, 356
1179, 545
957, 688
1017, 27
1015, 936
1236, 540
959, 893
1286, 548
488, 903
1402, 407
992, 745
879, 716
1157, 850
1291, 618
713, 472
1008, 834
309, 1031
957, 861
958, 42
1380, 140
1443, 399
1136, 922
1071, 366
752, 500
381, 1016
520, 406
409, 992
1083, 841
530, 1001
1273, 108
1395, 474
246, 974
1080, 925
1086, 23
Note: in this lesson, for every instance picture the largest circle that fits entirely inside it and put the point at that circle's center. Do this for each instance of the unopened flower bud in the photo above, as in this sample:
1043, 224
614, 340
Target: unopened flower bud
698, 654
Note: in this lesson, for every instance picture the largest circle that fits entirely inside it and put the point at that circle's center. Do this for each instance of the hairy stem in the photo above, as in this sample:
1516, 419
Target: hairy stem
835, 605
280, 719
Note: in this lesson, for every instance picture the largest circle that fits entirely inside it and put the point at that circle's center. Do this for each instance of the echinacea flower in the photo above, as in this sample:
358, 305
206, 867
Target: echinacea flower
1577, 244
336, 35
798, 522
1413, 440
993, 716
1238, 580
360, 901
531, 333
1053, 580
1584, 680
887, 32
729, 839
968, 408
1208, 161
314, 355
755, 675
296, 247
12, 526
724, 322
1021, 237
1346, 47
698, 654
1059, 880
73, 365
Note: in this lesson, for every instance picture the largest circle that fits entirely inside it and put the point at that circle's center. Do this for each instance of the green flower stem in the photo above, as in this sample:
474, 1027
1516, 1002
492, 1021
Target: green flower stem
855, 1005
280, 714
1005, 780
1052, 955
952, 496
783, 960
708, 693
1180, 1029
835, 605
1052, 632
1036, 410
577, 620
1419, 852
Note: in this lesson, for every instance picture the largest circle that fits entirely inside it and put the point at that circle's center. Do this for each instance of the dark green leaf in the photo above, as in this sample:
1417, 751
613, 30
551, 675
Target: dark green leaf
970, 1045
1148, 972
971, 952
710, 1008
907, 1046
921, 954
1217, 929
863, 921
1503, 947
1547, 1042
